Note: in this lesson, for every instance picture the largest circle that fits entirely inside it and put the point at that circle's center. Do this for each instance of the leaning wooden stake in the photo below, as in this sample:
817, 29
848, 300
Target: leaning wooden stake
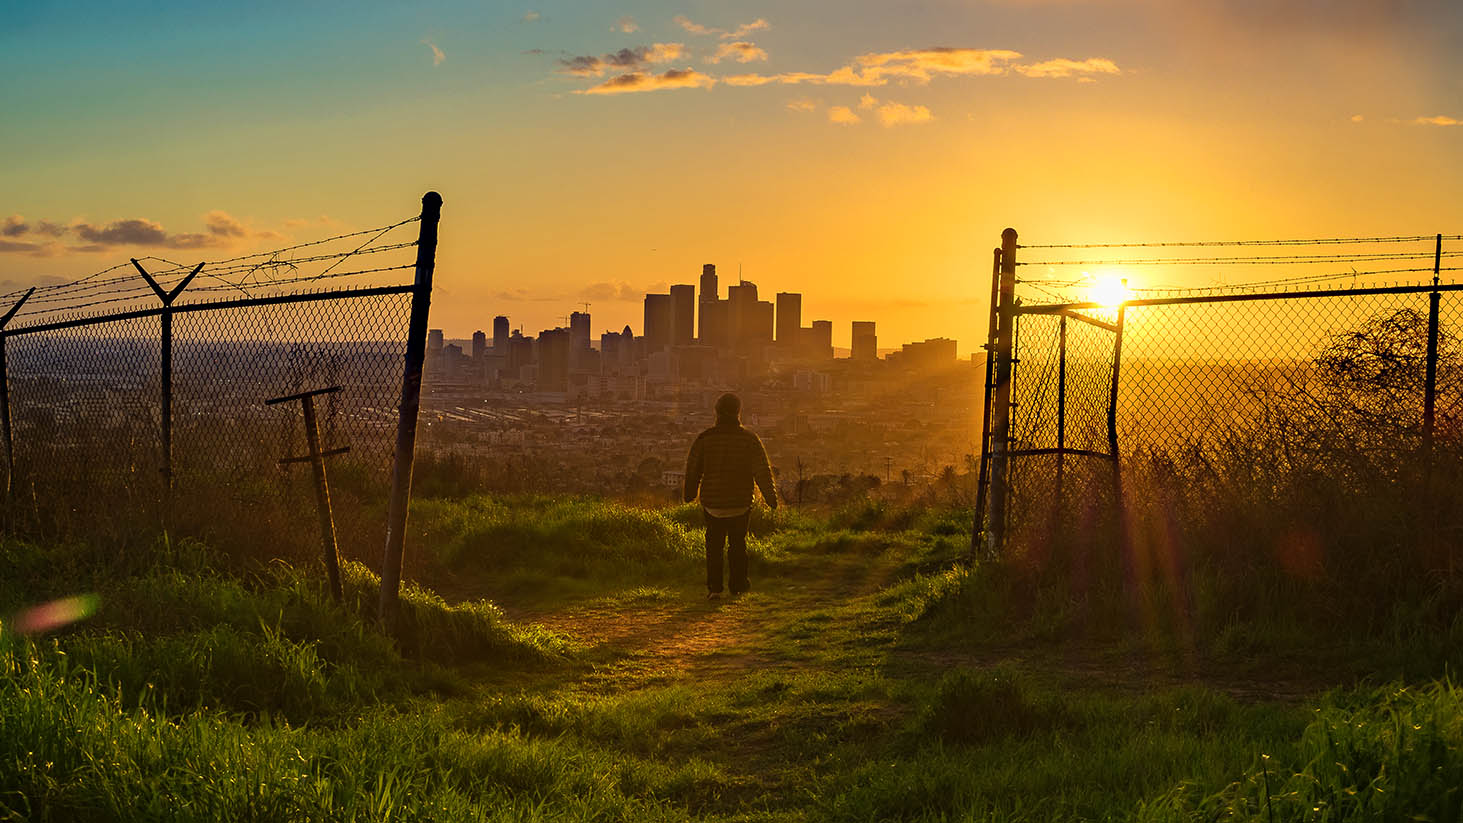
316, 459
411, 402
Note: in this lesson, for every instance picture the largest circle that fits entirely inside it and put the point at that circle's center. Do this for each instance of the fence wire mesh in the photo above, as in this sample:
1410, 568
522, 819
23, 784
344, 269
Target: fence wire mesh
1266, 393
87, 386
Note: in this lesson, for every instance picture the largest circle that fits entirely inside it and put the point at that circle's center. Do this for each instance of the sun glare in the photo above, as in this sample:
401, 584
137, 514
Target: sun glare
1109, 290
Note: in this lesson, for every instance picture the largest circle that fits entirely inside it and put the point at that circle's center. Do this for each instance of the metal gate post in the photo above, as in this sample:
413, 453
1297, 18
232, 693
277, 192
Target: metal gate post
1001, 402
977, 530
411, 402
1061, 419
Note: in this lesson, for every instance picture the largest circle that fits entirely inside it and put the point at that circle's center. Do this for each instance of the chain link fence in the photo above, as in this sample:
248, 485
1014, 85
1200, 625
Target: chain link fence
1351, 400
123, 381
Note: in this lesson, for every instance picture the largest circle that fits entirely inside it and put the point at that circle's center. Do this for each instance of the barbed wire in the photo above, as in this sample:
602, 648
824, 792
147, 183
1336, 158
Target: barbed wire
1264, 260
1319, 241
1317, 281
231, 274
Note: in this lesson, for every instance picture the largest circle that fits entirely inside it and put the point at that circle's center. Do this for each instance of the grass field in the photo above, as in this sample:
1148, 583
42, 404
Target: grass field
867, 676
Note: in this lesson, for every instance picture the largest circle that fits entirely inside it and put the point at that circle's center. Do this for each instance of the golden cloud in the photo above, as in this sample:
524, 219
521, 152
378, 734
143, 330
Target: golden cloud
894, 114
1440, 120
740, 50
1064, 67
842, 115
642, 81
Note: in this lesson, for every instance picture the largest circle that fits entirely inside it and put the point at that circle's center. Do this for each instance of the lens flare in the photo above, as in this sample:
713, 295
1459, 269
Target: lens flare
55, 614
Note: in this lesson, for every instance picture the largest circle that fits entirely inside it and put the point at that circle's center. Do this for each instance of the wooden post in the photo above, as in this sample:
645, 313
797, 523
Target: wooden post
411, 401
6, 425
977, 530
1001, 398
166, 380
316, 459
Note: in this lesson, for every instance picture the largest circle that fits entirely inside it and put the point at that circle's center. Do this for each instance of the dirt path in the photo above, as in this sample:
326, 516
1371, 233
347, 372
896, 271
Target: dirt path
810, 622
681, 632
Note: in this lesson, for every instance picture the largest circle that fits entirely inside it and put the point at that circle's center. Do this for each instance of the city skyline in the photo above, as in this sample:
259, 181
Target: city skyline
785, 311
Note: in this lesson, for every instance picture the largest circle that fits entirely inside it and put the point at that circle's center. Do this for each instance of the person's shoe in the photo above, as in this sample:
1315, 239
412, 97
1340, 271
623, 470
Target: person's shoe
713, 595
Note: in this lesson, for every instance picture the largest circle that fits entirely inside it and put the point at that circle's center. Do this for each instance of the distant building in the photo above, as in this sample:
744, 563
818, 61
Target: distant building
865, 342
817, 340
553, 360
500, 334
579, 330
659, 321
683, 315
479, 346
710, 295
938, 352
789, 318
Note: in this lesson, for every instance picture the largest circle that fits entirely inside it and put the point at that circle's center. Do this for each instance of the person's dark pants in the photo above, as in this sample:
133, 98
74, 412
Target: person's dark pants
731, 531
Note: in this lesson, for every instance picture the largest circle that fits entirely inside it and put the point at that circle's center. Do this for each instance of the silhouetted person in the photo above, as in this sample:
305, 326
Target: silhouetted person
724, 462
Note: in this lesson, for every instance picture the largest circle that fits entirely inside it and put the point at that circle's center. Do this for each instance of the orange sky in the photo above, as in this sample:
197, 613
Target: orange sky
866, 154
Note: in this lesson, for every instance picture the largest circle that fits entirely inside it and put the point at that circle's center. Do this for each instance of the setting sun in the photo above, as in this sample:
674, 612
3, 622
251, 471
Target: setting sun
1109, 290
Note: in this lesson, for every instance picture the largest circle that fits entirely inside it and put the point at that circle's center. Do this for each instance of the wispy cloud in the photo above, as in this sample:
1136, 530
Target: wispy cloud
530, 17
1064, 67
624, 59
734, 34
802, 104
1357, 118
626, 25
747, 28
694, 28
739, 50
922, 65
1439, 120
895, 114
644, 81
437, 54
868, 101
617, 290
843, 116
43, 238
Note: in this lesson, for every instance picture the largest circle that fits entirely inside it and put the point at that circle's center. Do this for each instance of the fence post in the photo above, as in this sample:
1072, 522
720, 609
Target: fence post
166, 380
1001, 402
5, 421
1430, 390
977, 530
1061, 418
411, 401
1112, 445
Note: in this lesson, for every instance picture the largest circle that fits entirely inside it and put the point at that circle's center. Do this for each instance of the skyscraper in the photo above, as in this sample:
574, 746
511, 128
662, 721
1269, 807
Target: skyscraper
683, 315
710, 294
500, 335
579, 330
789, 318
658, 321
479, 346
865, 343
